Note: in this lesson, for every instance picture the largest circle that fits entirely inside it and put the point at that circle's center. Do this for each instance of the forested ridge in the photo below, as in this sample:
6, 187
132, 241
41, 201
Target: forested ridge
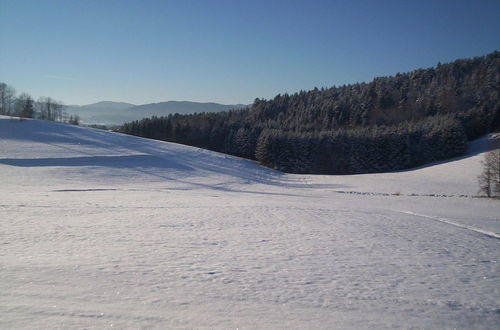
391, 123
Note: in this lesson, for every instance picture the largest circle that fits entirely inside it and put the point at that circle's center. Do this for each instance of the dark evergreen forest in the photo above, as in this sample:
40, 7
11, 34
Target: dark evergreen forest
391, 123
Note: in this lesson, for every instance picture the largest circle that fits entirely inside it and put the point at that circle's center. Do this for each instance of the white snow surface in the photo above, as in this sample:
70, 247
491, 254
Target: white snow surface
101, 230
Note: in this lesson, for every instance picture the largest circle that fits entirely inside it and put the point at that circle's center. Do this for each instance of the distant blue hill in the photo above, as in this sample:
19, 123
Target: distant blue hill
117, 113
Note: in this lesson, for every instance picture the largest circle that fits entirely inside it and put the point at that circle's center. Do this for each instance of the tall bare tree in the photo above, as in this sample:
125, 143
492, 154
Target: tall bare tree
7, 97
50, 109
489, 180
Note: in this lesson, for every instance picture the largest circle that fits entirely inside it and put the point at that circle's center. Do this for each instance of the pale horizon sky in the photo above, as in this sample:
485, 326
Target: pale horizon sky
229, 52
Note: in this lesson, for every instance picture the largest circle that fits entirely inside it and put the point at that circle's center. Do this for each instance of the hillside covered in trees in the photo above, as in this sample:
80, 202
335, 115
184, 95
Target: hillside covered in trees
391, 123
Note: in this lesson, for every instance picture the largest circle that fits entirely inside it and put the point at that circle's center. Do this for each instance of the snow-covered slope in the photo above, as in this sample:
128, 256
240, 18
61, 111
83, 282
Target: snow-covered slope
100, 229
95, 156
452, 177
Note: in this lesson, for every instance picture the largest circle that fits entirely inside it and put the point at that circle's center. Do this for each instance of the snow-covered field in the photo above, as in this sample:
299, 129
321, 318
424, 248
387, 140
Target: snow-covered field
102, 230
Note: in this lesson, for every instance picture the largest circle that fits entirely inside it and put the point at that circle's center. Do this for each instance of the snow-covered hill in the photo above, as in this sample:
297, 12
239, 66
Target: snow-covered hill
447, 178
100, 229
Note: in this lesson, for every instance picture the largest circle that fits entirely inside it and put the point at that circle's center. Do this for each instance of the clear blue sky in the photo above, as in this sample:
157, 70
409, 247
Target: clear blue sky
142, 51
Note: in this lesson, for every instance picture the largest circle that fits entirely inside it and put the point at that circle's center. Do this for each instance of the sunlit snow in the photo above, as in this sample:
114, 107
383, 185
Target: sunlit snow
100, 229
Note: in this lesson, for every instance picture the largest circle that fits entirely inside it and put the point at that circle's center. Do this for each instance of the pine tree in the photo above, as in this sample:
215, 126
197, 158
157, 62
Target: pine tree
28, 109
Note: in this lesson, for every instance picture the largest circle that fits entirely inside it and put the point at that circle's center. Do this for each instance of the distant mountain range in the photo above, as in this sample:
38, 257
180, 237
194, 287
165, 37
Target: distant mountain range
116, 113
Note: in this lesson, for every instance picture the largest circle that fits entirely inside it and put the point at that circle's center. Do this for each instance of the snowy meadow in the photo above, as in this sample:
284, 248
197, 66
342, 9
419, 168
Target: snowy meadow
100, 229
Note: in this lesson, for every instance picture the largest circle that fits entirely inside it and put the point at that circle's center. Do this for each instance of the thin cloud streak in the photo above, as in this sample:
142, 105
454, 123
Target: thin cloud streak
60, 77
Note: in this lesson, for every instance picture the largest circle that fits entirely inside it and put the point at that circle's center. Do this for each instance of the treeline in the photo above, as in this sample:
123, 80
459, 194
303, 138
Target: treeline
388, 124
24, 106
